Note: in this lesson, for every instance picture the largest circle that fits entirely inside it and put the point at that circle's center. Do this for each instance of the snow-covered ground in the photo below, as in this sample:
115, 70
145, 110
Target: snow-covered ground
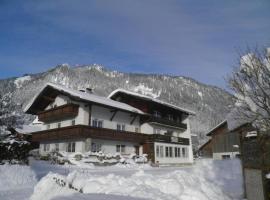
207, 179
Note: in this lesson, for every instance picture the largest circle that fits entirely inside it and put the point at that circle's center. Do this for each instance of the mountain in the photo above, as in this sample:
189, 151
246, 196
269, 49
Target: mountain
210, 103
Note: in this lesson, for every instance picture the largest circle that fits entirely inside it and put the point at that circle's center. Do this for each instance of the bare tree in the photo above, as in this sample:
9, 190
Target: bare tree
251, 83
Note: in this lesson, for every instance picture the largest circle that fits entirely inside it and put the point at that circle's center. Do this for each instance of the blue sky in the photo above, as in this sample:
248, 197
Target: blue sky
198, 39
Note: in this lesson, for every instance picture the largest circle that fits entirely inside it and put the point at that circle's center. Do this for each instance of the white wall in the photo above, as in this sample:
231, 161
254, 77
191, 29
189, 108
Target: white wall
105, 114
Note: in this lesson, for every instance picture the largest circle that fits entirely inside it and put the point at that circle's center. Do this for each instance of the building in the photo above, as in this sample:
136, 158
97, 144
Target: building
124, 123
206, 149
225, 142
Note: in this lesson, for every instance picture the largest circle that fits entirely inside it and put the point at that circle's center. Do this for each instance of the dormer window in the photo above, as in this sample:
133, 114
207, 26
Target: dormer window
157, 114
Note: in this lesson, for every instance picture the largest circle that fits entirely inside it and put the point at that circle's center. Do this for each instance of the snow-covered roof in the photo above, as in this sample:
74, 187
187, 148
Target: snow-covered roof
86, 97
27, 129
150, 99
217, 126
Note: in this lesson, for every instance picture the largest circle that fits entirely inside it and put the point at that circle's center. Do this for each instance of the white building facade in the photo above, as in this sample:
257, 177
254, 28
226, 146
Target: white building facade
76, 121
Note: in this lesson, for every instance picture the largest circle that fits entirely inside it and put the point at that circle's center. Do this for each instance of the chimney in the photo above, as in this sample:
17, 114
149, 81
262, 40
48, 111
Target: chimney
89, 90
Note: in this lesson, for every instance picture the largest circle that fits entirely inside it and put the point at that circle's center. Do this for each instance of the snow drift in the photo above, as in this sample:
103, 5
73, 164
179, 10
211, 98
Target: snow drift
208, 180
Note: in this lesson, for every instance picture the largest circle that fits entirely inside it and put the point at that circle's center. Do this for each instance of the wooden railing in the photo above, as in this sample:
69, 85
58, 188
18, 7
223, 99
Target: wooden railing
167, 122
58, 113
168, 139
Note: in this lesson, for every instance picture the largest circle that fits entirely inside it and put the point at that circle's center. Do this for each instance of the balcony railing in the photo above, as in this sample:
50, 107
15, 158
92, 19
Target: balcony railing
83, 131
167, 122
168, 139
59, 113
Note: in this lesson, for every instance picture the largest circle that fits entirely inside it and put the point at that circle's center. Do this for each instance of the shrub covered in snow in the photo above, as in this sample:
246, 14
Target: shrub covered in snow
96, 158
14, 150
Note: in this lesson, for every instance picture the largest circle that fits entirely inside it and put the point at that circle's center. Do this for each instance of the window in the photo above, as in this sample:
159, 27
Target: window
157, 151
226, 157
57, 147
121, 127
97, 123
185, 152
73, 122
167, 151
170, 152
120, 148
177, 152
169, 133
46, 147
170, 117
48, 126
161, 151
157, 131
157, 114
59, 125
137, 129
71, 147
96, 147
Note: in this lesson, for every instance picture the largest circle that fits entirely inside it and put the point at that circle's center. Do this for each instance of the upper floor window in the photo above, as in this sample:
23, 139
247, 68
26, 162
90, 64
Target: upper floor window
71, 147
48, 126
157, 131
59, 125
157, 114
137, 130
97, 123
170, 117
121, 127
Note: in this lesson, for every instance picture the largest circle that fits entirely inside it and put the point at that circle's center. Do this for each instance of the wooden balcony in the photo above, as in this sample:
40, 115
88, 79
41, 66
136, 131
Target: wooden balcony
59, 113
167, 122
83, 131
168, 139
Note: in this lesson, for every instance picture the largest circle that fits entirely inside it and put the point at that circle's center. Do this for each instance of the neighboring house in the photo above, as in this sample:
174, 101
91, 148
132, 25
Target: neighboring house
79, 121
206, 150
226, 142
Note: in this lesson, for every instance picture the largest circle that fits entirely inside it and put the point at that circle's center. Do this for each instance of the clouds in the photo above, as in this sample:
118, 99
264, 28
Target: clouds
175, 37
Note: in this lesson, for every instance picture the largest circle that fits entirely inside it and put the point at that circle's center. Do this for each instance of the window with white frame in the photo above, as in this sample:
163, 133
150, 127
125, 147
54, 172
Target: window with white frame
160, 151
46, 147
137, 129
121, 127
177, 152
170, 152
157, 131
167, 152
97, 123
71, 147
185, 152
96, 147
59, 125
57, 147
157, 151
120, 148
48, 126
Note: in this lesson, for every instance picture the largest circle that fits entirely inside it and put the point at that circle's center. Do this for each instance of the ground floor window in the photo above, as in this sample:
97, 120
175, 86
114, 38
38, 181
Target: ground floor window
177, 152
120, 148
96, 147
170, 152
57, 147
160, 151
46, 147
71, 147
185, 152
226, 156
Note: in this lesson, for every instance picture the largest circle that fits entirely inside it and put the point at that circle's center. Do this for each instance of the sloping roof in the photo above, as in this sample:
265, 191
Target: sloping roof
84, 97
150, 99
209, 133
206, 143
